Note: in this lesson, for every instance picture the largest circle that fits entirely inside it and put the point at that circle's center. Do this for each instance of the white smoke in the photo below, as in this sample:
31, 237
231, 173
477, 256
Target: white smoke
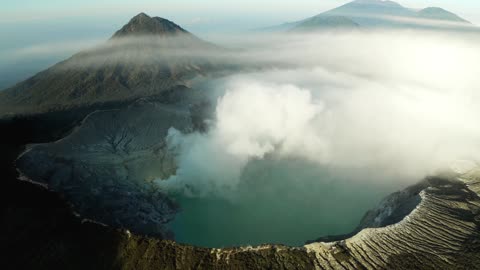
402, 104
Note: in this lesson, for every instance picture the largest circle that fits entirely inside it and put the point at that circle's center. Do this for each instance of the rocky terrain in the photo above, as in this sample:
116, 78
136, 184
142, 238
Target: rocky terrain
106, 166
95, 139
431, 225
442, 232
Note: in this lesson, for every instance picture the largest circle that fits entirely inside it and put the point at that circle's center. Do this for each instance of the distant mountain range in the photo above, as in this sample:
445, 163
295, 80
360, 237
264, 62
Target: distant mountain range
376, 13
436, 13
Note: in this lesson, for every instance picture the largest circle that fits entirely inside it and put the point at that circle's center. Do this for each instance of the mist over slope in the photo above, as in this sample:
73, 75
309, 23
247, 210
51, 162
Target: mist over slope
401, 103
144, 58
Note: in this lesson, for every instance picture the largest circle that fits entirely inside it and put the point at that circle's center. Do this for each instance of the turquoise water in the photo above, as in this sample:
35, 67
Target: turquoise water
284, 202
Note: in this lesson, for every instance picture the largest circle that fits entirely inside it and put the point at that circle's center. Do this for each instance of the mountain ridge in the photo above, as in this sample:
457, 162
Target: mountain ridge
438, 13
326, 23
134, 63
379, 13
142, 24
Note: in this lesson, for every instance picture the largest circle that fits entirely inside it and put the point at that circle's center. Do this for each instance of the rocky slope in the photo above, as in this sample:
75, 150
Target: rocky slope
106, 166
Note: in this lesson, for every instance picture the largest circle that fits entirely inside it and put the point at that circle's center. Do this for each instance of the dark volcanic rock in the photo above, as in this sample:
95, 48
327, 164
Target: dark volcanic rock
142, 24
106, 166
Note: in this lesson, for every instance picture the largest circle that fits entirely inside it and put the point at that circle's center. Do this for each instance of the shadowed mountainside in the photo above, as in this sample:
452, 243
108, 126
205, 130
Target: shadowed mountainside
138, 61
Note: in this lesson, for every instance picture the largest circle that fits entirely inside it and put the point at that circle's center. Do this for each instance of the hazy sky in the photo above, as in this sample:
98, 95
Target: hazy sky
32, 21
28, 26
194, 12
25, 21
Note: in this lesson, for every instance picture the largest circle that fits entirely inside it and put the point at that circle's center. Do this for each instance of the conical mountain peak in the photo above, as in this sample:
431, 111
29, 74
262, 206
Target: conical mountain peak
142, 24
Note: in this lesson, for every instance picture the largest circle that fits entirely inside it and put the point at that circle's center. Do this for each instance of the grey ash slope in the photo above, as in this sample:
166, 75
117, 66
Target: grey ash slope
136, 62
105, 167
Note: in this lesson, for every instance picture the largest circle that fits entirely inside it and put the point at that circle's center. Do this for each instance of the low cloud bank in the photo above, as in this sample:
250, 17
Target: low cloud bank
403, 104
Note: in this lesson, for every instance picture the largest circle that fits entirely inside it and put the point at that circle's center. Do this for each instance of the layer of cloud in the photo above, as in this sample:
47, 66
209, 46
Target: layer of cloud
403, 103
400, 102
